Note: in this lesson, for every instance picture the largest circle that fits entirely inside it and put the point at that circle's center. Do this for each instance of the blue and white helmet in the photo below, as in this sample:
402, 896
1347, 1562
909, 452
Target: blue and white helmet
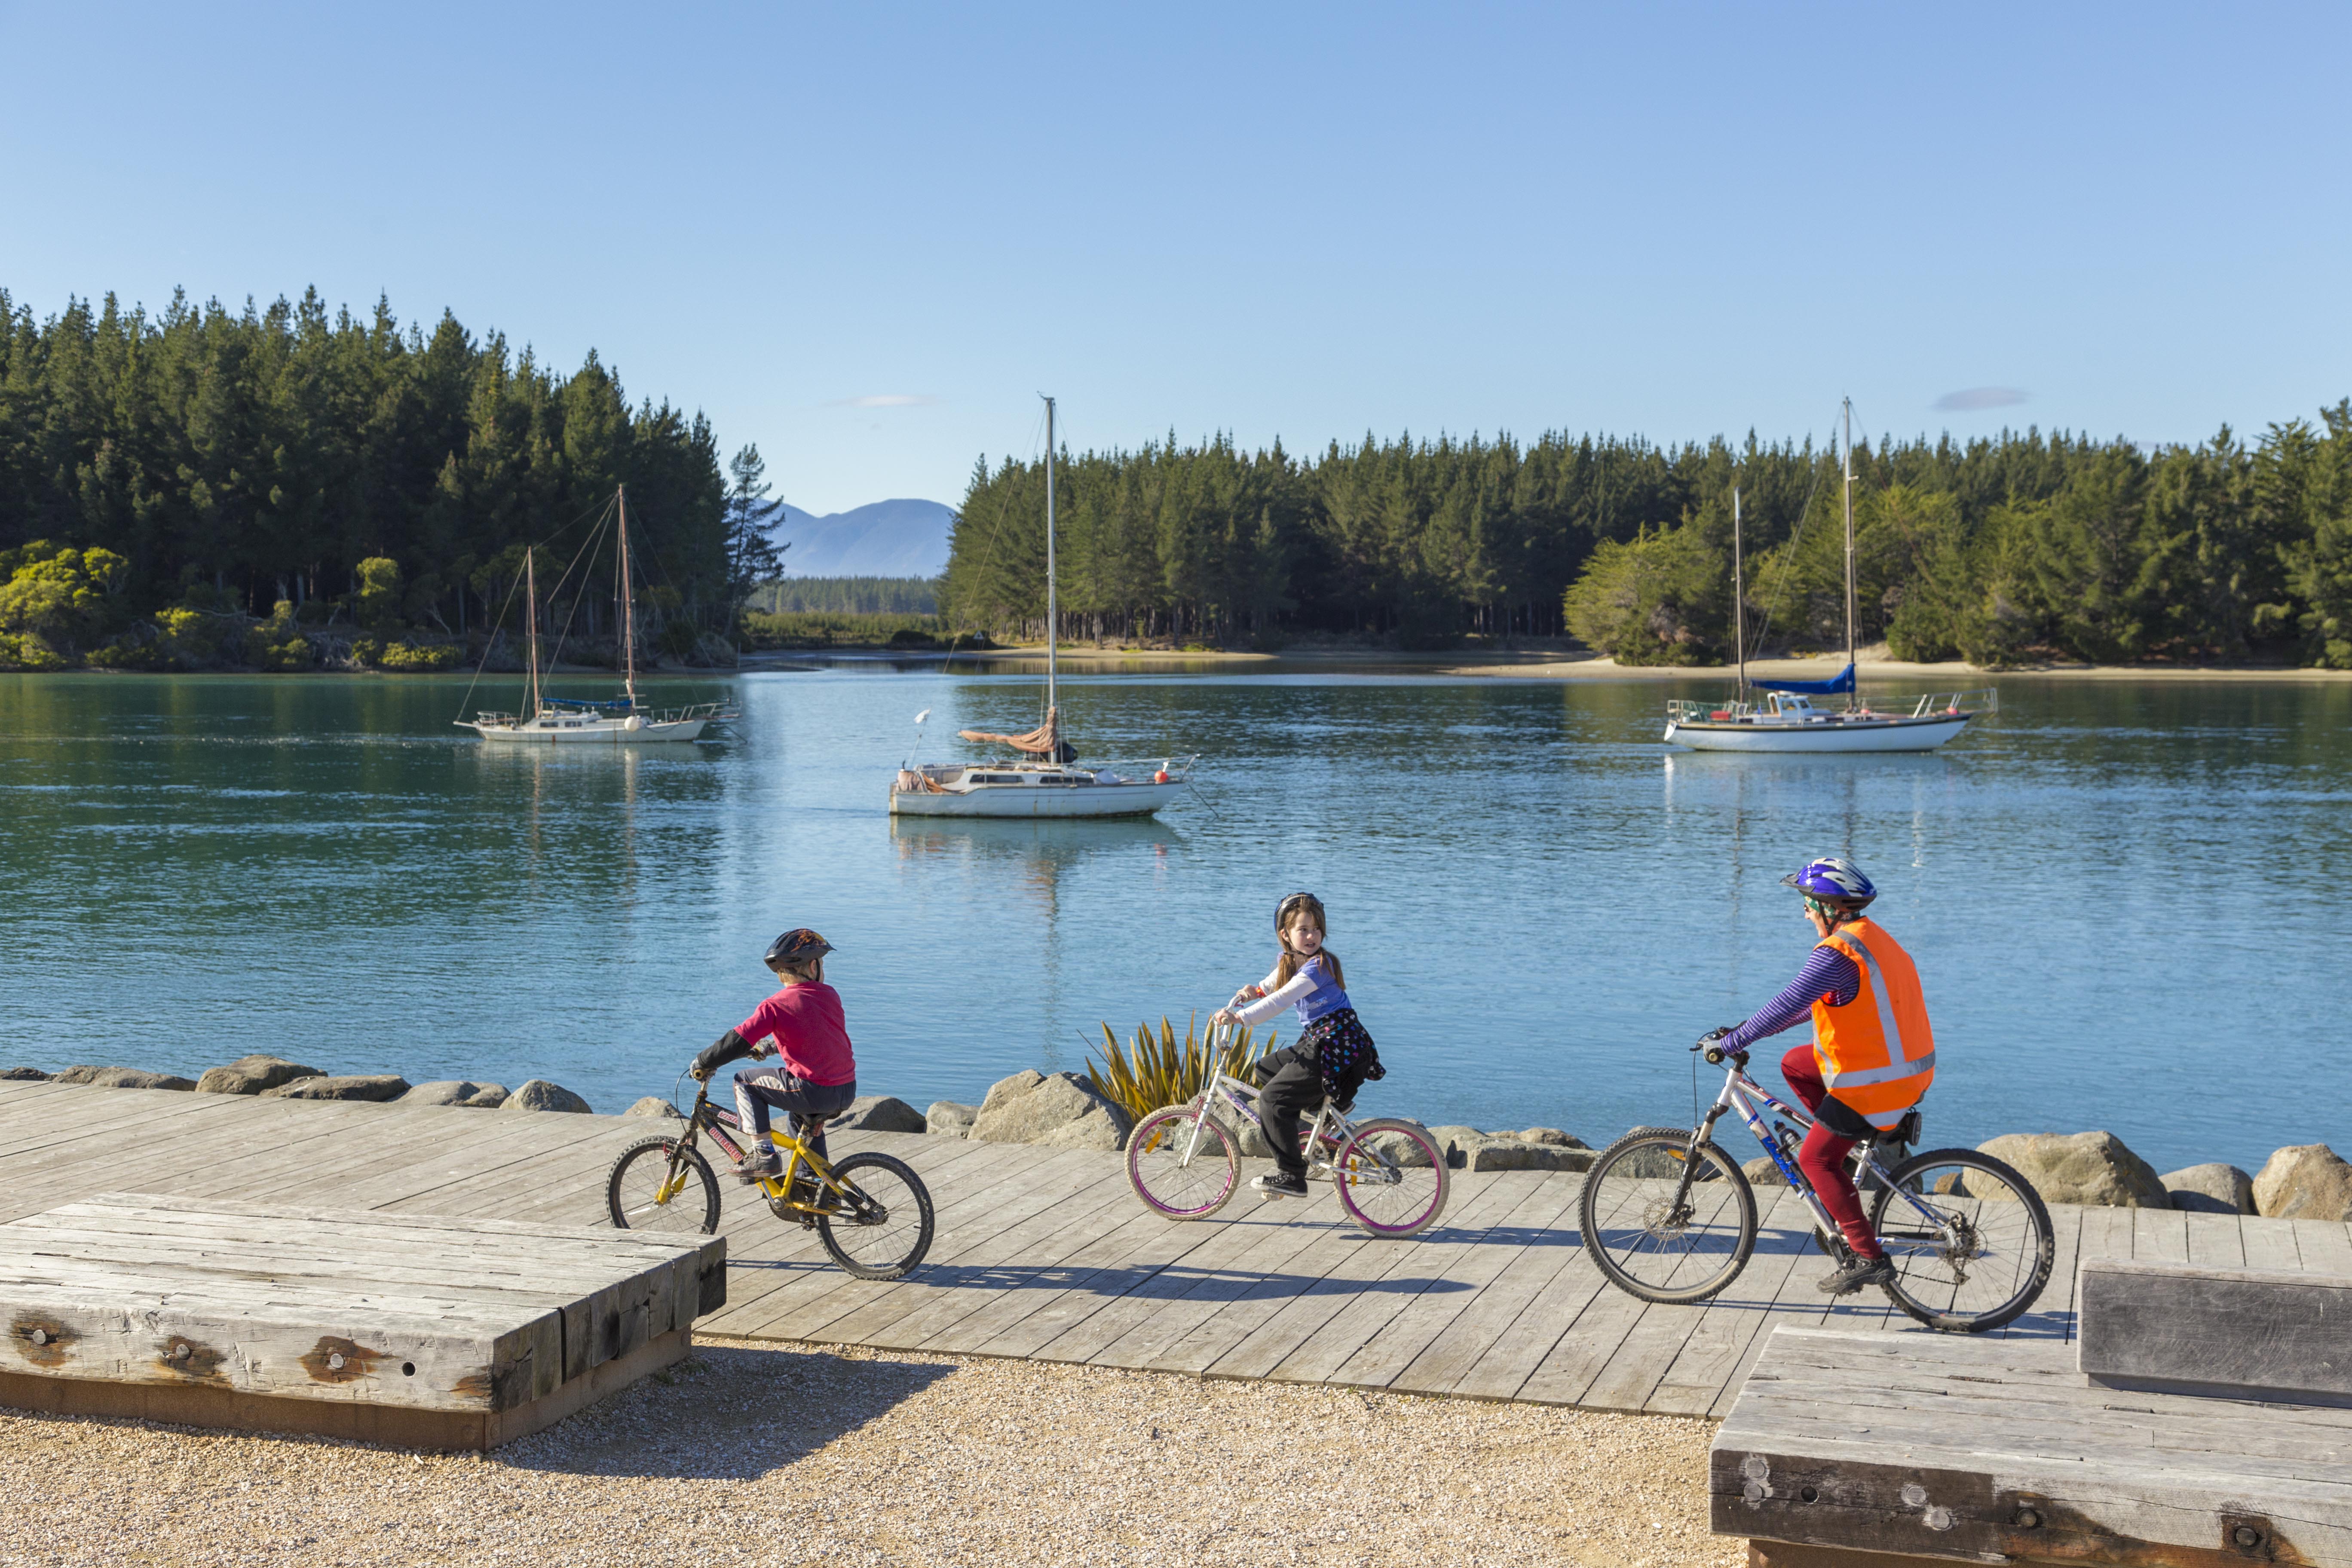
1834, 881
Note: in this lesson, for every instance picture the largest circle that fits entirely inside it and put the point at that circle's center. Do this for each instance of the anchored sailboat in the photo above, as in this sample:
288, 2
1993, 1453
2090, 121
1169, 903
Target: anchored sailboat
1043, 782
1782, 717
567, 720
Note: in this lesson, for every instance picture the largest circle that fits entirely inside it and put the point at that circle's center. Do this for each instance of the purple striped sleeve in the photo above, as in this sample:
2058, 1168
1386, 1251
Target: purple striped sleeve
1827, 973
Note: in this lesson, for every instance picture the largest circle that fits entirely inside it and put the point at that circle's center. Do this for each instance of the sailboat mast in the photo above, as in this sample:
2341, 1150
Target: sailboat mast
530, 600
1051, 605
628, 610
1739, 595
1851, 695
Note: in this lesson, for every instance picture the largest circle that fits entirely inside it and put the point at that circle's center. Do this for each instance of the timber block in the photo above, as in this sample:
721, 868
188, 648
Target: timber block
2230, 1333
1899, 1447
415, 1330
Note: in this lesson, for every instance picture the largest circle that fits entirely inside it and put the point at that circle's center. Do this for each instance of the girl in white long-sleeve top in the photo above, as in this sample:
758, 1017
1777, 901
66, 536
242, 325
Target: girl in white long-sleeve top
1332, 1053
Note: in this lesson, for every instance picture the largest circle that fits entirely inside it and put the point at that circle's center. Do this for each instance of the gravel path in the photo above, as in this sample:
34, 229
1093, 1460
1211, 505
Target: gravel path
760, 1454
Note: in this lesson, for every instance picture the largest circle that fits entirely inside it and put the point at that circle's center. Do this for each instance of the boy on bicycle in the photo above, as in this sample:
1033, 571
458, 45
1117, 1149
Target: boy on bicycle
803, 1025
1871, 1058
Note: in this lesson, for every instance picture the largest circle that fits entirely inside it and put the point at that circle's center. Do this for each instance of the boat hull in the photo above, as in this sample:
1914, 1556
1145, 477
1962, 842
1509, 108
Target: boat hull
594, 734
1868, 735
1038, 801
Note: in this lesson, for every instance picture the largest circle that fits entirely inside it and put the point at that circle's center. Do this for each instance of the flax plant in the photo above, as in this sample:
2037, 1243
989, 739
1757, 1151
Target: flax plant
1152, 1070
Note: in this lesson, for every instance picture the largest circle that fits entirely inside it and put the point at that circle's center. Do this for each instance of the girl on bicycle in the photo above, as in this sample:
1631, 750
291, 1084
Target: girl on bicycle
1333, 1055
802, 1023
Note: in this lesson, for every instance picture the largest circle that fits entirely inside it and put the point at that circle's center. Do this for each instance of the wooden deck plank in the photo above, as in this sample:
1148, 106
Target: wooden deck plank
1399, 1342
1085, 1281
1418, 1266
2215, 1240
1540, 1257
2269, 1243
2326, 1246
2160, 1235
1719, 1342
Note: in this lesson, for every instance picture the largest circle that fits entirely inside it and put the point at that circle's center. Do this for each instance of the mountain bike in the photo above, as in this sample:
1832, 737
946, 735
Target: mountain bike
870, 1210
1183, 1161
1669, 1216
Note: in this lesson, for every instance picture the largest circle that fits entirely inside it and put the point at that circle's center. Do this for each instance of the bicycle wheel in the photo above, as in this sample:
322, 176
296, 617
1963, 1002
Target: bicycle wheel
1171, 1185
1391, 1177
883, 1227
649, 1188
1657, 1236
1970, 1239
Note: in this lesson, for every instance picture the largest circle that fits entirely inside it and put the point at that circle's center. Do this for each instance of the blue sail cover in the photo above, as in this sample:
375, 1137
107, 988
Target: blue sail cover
1843, 681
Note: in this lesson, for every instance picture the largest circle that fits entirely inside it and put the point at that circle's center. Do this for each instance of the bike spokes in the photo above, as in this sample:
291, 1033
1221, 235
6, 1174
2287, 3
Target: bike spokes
1666, 1222
1969, 1238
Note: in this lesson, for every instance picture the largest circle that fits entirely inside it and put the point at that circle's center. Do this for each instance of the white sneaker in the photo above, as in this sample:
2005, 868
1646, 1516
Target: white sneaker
1278, 1186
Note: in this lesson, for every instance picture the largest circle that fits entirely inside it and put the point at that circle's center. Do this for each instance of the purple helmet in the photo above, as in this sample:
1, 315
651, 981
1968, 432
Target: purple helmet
1832, 880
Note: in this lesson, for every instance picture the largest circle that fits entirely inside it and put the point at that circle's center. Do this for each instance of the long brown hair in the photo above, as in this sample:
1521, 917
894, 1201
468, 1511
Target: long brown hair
1291, 909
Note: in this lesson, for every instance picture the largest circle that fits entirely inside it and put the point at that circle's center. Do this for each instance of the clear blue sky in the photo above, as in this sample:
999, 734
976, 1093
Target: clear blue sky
1298, 221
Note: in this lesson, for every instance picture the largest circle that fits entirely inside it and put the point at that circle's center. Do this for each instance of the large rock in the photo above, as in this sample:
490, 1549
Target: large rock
123, 1078
2211, 1189
879, 1113
2092, 1168
252, 1075
364, 1086
23, 1075
949, 1118
1467, 1149
537, 1094
649, 1105
1761, 1172
461, 1091
2309, 1180
1063, 1111
1404, 1150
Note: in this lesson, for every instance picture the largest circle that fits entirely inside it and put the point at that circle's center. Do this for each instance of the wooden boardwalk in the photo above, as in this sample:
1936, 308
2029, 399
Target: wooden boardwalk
1045, 1253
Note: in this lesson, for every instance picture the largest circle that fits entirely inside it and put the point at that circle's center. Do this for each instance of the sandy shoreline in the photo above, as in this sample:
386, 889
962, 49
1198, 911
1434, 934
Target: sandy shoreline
765, 1453
1552, 665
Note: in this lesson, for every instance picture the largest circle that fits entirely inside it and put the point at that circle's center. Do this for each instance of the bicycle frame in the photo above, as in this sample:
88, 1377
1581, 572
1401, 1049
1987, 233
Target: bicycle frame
1739, 1094
777, 1188
1330, 1127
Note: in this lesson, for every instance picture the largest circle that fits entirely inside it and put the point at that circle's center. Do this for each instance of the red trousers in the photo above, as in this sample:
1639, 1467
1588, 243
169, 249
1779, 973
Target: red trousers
1824, 1153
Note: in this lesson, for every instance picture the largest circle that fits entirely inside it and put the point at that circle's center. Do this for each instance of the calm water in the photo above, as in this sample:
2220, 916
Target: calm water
2127, 900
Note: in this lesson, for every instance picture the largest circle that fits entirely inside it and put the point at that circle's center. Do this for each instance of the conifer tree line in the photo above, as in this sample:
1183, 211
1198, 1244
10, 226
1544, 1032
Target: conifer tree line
1999, 550
329, 469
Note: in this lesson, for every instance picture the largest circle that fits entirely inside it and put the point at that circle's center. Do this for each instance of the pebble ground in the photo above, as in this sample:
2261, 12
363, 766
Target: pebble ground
760, 1453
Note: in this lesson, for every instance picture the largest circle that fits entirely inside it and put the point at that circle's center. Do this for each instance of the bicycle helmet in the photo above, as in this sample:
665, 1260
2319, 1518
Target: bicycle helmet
797, 944
1299, 903
1834, 882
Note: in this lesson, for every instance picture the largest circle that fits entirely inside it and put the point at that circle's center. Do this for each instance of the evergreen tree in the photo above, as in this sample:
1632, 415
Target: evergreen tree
752, 555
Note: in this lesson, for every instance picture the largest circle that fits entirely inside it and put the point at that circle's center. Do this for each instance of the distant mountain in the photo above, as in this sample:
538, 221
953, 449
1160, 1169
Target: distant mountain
883, 539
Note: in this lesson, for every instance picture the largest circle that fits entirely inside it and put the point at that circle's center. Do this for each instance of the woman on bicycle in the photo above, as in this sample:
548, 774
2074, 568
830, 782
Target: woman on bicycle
1871, 1058
1333, 1055
802, 1023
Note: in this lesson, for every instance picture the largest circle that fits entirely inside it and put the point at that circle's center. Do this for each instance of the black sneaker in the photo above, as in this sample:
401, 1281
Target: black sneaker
1856, 1273
1279, 1185
758, 1165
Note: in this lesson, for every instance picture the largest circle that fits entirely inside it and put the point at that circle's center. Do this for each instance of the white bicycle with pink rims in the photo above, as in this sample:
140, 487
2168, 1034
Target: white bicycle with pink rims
1185, 1162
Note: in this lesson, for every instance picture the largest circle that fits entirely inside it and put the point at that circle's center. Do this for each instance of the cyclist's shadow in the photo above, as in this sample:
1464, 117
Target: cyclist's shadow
726, 1413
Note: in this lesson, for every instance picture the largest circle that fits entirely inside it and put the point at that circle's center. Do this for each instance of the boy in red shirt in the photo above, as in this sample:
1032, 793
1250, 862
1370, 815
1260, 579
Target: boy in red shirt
803, 1025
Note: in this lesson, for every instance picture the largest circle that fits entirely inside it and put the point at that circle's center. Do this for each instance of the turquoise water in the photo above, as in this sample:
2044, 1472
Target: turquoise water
2126, 899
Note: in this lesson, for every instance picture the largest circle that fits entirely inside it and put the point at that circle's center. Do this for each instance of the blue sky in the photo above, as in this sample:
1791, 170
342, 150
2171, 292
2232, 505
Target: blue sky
1300, 221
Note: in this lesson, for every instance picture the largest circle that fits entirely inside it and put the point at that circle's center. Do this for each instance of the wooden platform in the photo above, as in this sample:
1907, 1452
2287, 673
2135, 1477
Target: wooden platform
1046, 1254
410, 1329
1951, 1448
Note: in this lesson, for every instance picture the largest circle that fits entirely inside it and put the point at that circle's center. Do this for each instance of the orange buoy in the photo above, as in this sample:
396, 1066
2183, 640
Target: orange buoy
1161, 776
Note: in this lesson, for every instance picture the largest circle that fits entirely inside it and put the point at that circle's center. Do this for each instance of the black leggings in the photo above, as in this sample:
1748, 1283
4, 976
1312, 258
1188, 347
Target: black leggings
1294, 1087
764, 1089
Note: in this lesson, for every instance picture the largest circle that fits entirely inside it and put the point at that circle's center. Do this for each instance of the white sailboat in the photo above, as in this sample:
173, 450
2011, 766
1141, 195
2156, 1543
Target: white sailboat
1781, 718
1043, 783
566, 721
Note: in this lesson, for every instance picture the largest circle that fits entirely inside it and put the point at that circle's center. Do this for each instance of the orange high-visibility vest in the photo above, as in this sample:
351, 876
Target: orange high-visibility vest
1876, 1053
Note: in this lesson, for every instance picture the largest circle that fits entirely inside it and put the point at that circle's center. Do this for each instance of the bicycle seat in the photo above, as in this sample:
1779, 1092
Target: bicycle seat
1904, 1133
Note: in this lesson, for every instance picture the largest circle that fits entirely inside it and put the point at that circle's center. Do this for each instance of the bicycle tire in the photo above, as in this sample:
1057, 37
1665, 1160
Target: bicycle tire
1928, 1284
633, 1182
890, 1260
1626, 1206
1361, 1173
1182, 1191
